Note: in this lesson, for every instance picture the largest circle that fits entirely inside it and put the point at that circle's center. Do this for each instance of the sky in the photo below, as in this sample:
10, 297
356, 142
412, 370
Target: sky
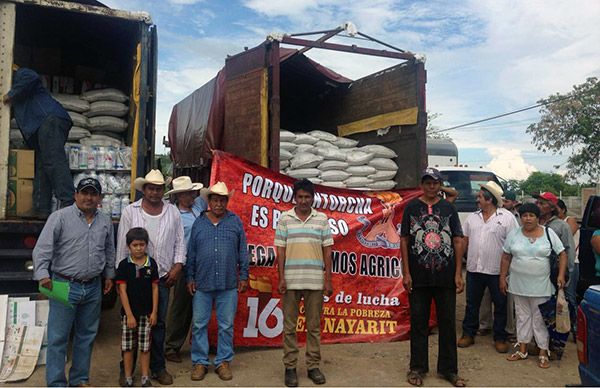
483, 57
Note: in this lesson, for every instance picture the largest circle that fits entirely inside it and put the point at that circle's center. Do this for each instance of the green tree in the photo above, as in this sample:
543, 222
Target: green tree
571, 122
432, 130
542, 181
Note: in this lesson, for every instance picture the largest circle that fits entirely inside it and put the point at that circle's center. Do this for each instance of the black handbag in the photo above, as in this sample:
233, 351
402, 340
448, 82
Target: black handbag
554, 263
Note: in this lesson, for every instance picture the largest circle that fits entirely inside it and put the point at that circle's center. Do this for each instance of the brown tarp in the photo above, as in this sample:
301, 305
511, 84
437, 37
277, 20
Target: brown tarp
197, 122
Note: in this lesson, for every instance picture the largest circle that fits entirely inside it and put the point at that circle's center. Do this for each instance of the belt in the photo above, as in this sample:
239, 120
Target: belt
75, 280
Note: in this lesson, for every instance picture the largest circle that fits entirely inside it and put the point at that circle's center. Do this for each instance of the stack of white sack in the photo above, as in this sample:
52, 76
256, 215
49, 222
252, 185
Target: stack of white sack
76, 107
107, 107
334, 161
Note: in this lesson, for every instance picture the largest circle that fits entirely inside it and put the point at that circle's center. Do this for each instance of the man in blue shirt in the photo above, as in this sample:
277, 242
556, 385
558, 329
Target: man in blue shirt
76, 246
45, 126
217, 252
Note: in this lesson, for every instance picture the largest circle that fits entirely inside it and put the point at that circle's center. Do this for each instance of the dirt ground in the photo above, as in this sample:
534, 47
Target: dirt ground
366, 364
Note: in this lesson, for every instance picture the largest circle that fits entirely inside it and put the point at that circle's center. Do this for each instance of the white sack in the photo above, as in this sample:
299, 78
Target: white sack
322, 135
305, 160
325, 144
343, 142
379, 151
284, 145
284, 154
383, 164
361, 170
383, 175
339, 185
283, 164
108, 94
286, 136
302, 148
331, 154
316, 181
333, 165
304, 173
107, 108
107, 123
358, 158
79, 120
334, 175
72, 103
77, 133
303, 138
382, 185
357, 181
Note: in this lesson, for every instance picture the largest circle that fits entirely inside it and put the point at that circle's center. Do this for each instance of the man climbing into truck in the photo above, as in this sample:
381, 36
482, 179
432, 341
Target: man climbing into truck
45, 126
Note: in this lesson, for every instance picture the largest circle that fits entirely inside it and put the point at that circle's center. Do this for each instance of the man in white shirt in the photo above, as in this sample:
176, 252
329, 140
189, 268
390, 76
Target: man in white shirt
485, 232
162, 220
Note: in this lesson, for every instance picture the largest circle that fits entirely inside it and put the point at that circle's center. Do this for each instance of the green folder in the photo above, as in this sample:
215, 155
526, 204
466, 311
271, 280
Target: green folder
60, 292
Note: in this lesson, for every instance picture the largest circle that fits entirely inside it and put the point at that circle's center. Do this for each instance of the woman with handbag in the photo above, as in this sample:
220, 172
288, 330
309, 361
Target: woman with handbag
528, 252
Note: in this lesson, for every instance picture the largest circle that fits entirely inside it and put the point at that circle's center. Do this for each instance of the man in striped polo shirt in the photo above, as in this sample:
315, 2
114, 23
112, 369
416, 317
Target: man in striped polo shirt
303, 240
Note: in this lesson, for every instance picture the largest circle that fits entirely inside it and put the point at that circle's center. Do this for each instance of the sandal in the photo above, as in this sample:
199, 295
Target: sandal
455, 380
517, 356
414, 378
544, 362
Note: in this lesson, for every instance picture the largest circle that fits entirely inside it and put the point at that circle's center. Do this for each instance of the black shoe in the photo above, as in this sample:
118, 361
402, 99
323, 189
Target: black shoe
122, 381
291, 378
316, 376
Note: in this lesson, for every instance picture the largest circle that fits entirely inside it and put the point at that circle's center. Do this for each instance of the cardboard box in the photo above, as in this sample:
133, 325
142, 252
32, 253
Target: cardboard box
19, 196
21, 164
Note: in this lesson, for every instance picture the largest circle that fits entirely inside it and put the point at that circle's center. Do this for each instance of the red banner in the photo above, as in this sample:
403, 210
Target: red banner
369, 303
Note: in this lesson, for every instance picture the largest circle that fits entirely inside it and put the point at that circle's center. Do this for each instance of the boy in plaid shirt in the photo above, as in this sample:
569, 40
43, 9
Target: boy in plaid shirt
137, 281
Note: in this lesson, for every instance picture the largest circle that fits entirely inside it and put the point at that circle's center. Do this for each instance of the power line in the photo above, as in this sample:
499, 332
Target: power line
504, 114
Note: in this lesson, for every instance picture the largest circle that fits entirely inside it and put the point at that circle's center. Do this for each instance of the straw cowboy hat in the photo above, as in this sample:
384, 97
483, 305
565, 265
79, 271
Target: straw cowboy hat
495, 190
218, 188
182, 184
154, 177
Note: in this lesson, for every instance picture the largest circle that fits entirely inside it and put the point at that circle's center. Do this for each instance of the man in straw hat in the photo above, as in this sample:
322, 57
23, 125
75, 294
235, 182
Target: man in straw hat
190, 205
162, 220
216, 270
485, 232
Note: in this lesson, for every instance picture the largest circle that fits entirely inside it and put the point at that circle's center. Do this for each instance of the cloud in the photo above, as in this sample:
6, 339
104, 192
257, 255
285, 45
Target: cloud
509, 163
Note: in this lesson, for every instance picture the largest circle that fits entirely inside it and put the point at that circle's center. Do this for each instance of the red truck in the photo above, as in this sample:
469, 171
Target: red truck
270, 87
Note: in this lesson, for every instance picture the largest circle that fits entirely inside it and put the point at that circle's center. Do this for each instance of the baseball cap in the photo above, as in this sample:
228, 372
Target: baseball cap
548, 196
431, 172
510, 195
89, 182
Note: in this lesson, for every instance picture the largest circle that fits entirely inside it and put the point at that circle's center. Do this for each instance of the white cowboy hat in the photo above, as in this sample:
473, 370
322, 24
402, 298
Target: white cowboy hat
218, 188
495, 190
154, 177
182, 184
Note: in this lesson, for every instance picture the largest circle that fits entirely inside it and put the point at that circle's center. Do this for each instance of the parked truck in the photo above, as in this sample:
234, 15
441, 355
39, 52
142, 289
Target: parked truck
270, 87
74, 45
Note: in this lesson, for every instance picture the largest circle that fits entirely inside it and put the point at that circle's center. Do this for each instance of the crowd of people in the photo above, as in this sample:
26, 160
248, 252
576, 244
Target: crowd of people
186, 242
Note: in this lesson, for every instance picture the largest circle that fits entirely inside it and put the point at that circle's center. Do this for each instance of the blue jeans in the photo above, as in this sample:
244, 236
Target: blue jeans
225, 305
157, 350
476, 285
83, 318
